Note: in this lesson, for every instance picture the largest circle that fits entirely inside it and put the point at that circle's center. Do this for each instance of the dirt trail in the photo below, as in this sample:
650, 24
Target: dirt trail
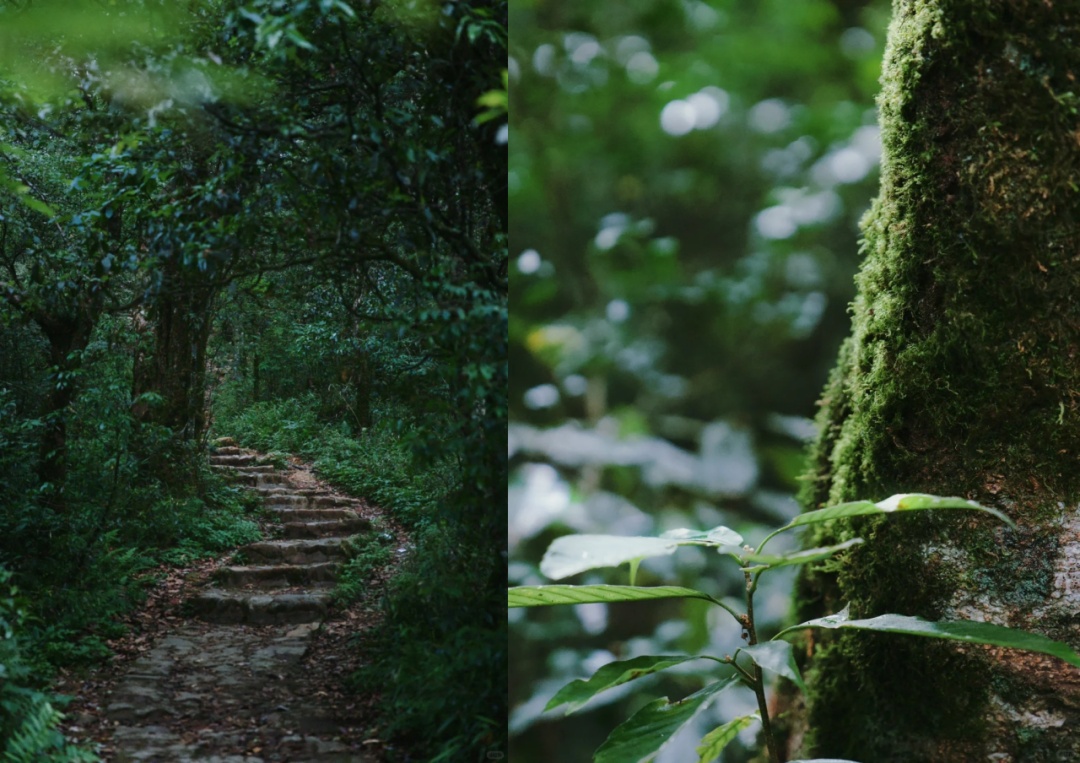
248, 666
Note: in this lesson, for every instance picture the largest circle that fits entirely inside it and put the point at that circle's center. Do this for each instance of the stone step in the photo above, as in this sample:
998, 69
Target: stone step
294, 551
227, 450
252, 470
237, 459
332, 501
278, 576
326, 528
271, 490
290, 500
246, 478
289, 514
241, 471
281, 496
261, 482
280, 502
218, 606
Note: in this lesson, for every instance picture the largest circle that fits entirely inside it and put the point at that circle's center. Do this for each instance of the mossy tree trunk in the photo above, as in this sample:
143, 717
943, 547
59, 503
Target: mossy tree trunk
961, 377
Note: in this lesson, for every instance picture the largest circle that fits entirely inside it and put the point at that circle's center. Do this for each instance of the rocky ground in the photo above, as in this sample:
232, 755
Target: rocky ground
231, 661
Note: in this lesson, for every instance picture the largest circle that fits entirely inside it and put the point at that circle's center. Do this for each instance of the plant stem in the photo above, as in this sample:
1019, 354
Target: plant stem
759, 681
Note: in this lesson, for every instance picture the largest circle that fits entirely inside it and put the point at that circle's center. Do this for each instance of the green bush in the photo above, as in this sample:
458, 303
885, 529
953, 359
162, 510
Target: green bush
289, 425
369, 552
439, 668
86, 566
29, 720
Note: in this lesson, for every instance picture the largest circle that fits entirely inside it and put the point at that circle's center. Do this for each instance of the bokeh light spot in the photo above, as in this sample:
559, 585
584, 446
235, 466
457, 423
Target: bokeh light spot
529, 261
769, 116
678, 118
618, 310
542, 396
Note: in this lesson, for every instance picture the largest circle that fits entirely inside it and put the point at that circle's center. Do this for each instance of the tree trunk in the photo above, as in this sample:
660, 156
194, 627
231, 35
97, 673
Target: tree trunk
961, 377
68, 336
255, 362
176, 368
361, 383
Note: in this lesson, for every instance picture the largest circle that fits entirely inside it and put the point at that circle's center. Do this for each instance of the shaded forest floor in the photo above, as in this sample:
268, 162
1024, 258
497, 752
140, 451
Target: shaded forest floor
180, 688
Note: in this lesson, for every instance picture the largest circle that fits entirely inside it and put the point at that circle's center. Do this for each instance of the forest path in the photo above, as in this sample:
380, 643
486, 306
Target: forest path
249, 670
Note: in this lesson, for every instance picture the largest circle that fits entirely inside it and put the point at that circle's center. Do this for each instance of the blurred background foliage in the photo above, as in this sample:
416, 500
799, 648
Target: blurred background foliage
685, 183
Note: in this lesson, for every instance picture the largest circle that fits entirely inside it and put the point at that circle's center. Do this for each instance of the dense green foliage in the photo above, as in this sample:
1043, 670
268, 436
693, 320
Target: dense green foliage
285, 223
28, 716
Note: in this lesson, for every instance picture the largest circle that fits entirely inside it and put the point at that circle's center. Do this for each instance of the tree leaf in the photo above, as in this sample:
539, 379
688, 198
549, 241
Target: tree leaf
37, 205
894, 503
775, 657
648, 731
713, 743
577, 693
957, 630
548, 595
718, 536
800, 557
572, 554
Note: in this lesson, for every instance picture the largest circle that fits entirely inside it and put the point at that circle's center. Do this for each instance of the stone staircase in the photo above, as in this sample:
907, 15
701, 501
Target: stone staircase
286, 580
230, 685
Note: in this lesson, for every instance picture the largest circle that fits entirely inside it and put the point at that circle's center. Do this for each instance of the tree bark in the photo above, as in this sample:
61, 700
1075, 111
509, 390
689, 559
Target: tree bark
961, 377
68, 336
361, 383
176, 368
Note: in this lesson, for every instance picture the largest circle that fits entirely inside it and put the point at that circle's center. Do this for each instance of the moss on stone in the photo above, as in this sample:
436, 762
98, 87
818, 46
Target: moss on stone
962, 373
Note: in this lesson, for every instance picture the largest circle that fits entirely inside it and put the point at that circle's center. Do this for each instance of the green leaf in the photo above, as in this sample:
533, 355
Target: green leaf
713, 743
572, 554
37, 205
22, 193
892, 504
718, 536
648, 731
775, 657
958, 630
492, 99
577, 693
486, 116
800, 557
548, 595
898, 502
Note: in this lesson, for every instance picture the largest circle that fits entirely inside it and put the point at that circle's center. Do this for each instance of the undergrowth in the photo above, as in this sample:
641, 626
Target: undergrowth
29, 718
99, 573
369, 553
432, 661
